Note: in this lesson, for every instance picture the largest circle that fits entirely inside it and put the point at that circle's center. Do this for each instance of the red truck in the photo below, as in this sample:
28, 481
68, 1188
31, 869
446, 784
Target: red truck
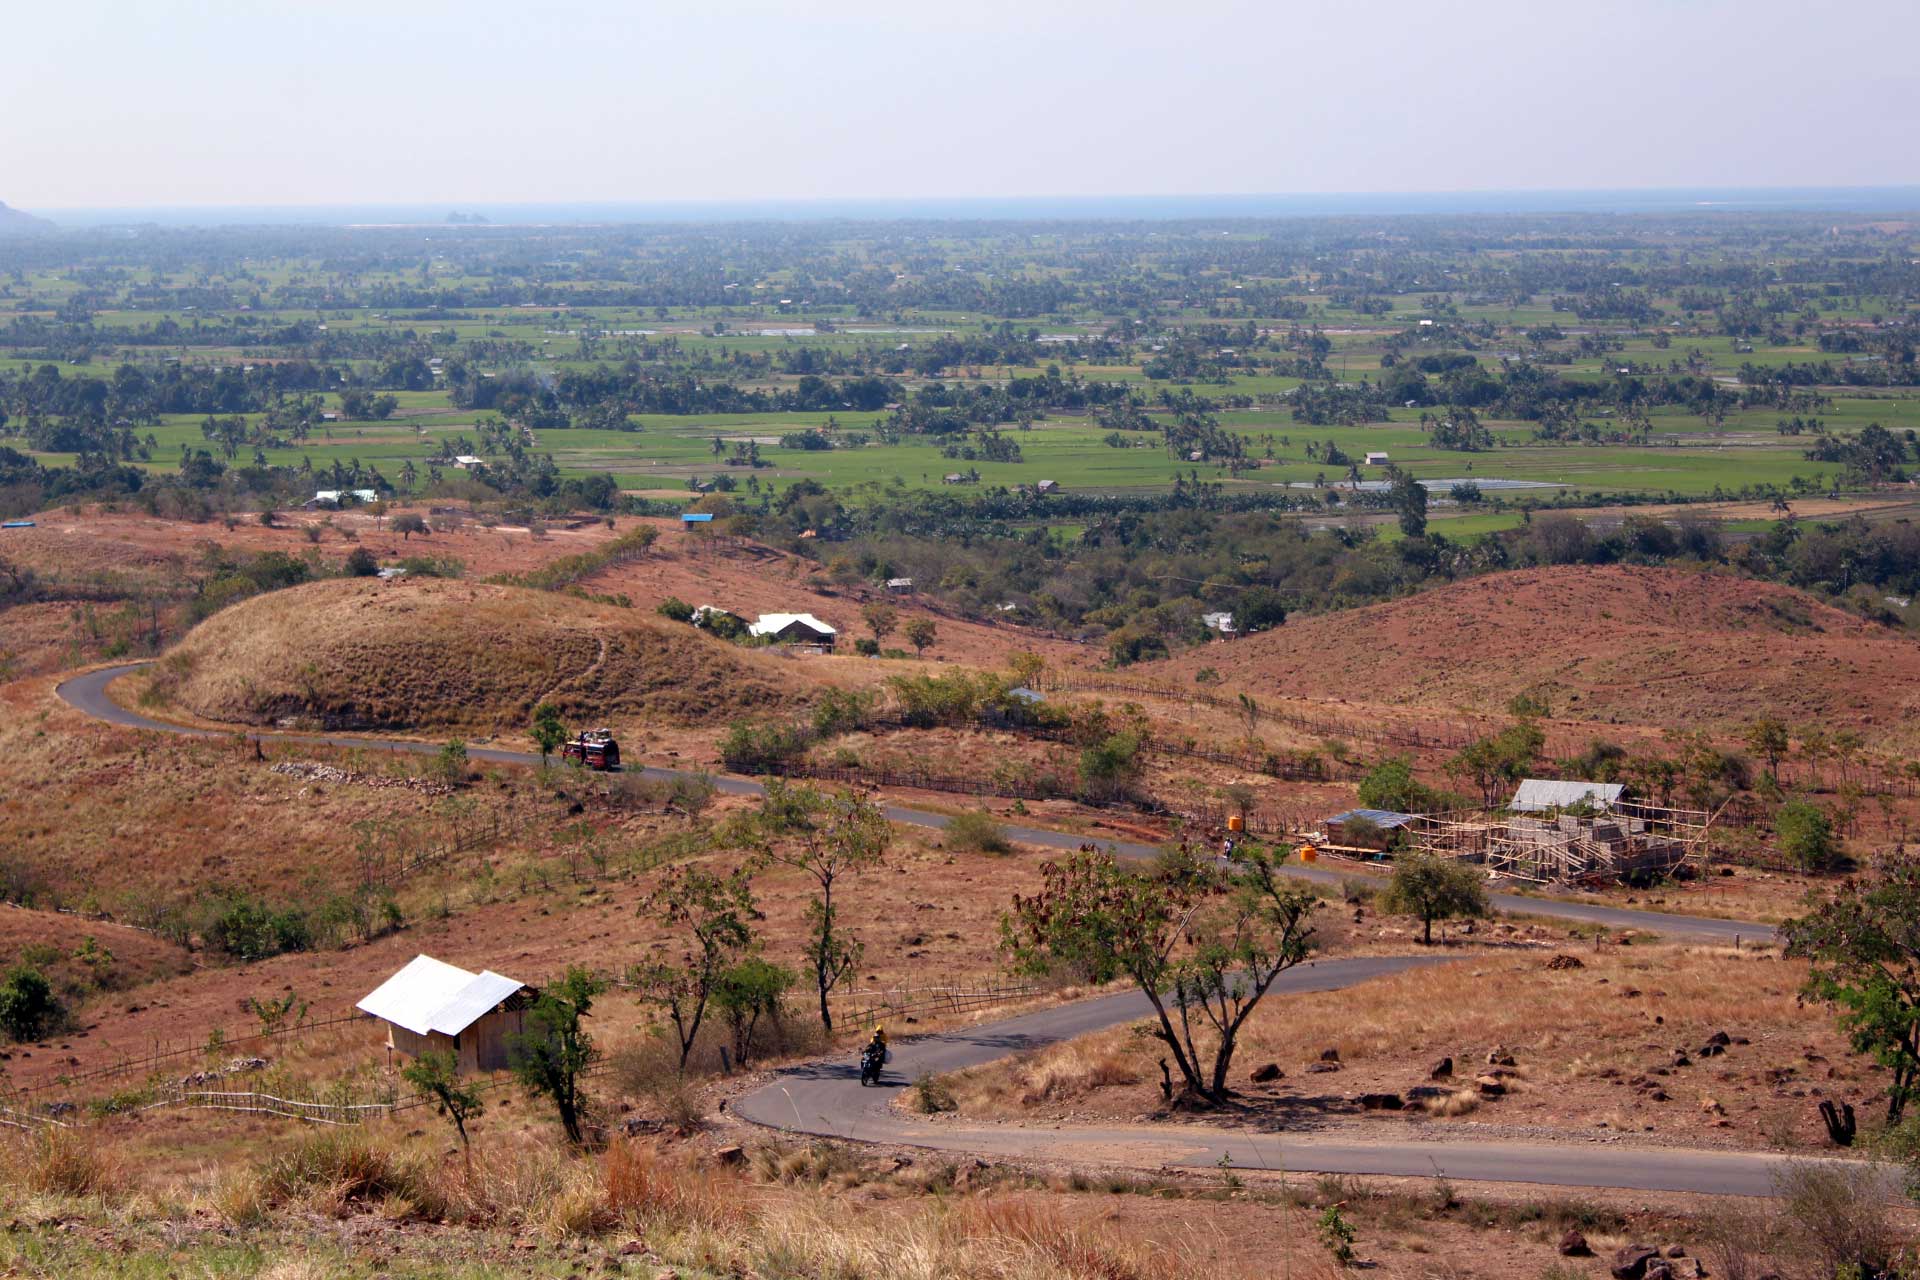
594, 748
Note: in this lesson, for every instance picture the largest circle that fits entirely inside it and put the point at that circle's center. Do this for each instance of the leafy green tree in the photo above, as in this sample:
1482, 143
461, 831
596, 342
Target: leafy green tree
921, 634
1863, 944
1767, 738
361, 564
753, 990
451, 762
1805, 835
554, 1052
881, 619
715, 916
1495, 763
549, 731
1110, 766
1203, 944
828, 838
1409, 499
435, 1073
1434, 888
1391, 785
408, 523
674, 609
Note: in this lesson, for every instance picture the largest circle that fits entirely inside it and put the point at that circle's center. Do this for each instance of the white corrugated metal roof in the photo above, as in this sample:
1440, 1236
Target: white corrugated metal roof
1538, 794
432, 995
774, 623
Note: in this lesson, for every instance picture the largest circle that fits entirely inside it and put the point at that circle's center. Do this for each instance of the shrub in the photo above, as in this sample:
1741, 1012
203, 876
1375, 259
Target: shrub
1840, 1213
360, 563
250, 929
975, 831
932, 1096
841, 711
29, 1008
761, 748
1806, 835
451, 763
674, 609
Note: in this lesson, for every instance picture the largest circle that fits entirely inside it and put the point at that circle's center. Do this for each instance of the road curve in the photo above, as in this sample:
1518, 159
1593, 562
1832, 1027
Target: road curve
87, 692
826, 1099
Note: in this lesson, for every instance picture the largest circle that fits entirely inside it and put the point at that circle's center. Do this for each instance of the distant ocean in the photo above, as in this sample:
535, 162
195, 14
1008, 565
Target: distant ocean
1029, 208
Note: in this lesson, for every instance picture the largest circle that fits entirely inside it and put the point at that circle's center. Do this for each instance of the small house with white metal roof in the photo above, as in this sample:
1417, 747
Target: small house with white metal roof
432, 1005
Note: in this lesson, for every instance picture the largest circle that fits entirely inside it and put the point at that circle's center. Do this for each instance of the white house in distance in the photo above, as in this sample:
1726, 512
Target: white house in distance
1376, 459
1221, 622
434, 1005
468, 461
798, 629
339, 497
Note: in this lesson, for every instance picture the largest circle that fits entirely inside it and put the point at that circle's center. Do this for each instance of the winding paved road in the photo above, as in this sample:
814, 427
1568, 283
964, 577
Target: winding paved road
826, 1099
88, 692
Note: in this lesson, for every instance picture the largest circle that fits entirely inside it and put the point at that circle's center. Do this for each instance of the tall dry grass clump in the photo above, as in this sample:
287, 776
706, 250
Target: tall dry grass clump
64, 1162
639, 1187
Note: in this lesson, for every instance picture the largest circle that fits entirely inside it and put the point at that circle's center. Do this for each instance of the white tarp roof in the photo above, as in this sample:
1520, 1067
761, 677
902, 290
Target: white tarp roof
1539, 794
432, 995
772, 624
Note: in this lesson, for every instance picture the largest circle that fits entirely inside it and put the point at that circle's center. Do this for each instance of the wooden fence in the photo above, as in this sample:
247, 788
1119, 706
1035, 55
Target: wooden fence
215, 1042
249, 1101
865, 1006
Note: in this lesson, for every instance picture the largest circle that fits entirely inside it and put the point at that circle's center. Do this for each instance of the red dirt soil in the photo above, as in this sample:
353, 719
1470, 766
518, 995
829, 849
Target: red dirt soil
1652, 647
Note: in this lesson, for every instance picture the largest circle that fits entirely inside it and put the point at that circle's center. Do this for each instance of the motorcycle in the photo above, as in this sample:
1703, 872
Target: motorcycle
872, 1058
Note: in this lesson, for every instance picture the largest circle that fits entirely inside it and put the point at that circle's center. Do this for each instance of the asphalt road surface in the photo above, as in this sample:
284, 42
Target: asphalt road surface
88, 693
826, 1099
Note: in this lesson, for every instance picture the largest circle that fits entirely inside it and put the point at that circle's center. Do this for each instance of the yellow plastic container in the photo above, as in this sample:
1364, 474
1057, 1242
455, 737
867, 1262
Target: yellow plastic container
1236, 823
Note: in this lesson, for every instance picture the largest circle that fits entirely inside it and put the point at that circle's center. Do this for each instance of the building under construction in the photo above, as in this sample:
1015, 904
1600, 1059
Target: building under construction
1568, 832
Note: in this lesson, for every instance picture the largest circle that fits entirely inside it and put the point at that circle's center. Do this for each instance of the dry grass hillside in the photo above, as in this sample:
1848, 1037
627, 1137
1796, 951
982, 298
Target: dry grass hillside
432, 653
1654, 647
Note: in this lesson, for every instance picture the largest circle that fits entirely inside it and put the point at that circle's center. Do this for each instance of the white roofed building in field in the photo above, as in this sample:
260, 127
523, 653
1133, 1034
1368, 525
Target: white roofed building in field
794, 629
430, 1004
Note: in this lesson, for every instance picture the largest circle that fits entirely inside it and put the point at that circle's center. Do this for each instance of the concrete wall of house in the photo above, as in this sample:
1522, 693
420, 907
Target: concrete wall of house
484, 1046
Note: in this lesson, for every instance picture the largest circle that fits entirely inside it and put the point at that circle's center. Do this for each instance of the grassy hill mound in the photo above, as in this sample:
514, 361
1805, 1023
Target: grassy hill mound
1659, 647
433, 654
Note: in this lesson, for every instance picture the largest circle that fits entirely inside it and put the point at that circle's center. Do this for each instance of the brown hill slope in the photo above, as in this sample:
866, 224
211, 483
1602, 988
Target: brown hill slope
1656, 647
431, 653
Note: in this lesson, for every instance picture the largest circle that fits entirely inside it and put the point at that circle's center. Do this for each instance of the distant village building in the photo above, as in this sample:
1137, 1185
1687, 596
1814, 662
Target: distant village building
339, 497
903, 586
1221, 622
1047, 486
1376, 829
802, 630
468, 462
690, 520
430, 1004
1376, 459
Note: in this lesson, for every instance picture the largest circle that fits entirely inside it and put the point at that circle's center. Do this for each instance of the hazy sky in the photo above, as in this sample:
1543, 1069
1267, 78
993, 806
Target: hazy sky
168, 102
